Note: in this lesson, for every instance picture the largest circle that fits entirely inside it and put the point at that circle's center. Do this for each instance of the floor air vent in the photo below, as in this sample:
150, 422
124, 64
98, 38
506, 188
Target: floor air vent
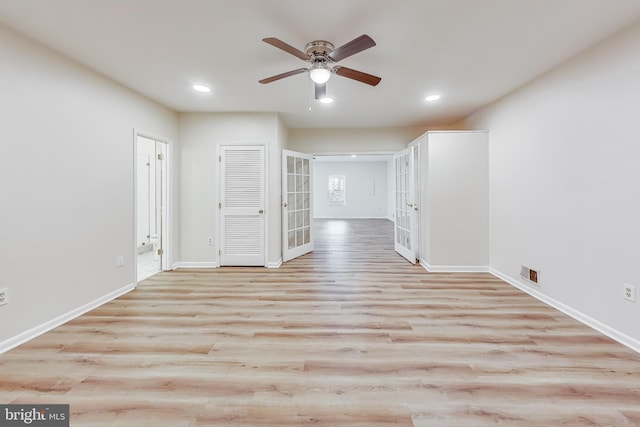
529, 274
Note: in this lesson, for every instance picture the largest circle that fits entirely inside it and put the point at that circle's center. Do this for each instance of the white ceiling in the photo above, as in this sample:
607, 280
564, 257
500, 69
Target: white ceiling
471, 51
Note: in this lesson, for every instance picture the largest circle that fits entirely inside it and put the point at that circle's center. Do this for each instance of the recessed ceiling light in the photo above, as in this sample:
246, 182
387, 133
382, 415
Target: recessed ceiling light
432, 98
326, 100
354, 156
201, 88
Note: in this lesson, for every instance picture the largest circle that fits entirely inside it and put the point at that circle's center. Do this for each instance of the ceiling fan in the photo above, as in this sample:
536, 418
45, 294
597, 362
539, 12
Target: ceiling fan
322, 54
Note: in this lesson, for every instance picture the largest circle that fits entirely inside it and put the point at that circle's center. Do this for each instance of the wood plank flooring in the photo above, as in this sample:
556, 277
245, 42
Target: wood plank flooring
350, 335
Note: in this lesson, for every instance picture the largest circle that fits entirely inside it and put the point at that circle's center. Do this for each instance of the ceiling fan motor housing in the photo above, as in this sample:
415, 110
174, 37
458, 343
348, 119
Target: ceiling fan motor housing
319, 50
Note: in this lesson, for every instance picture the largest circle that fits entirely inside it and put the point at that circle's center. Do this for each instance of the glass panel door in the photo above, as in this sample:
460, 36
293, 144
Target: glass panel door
406, 206
297, 213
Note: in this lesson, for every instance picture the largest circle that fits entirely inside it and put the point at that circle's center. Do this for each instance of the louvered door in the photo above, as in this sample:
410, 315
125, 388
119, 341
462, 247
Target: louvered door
242, 205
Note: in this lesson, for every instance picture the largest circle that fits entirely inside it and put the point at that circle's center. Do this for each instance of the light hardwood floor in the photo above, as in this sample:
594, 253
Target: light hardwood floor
350, 335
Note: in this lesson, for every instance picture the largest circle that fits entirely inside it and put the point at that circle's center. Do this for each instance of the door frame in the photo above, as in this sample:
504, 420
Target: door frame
415, 232
167, 206
218, 195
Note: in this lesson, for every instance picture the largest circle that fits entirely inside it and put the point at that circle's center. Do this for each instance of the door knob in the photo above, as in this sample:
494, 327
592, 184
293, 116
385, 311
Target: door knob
260, 211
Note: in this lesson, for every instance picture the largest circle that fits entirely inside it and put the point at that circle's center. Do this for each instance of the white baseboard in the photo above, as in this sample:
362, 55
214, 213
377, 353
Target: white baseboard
54, 323
178, 265
276, 264
614, 334
454, 268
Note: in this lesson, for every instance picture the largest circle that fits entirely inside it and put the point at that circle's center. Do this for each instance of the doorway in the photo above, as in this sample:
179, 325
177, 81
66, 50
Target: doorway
374, 186
151, 206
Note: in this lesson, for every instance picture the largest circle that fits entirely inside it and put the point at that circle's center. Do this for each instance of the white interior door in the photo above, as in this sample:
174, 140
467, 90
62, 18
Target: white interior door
242, 203
406, 205
297, 217
151, 206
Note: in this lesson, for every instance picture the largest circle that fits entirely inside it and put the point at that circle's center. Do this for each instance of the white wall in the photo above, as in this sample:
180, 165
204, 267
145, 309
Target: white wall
454, 201
366, 189
66, 168
565, 182
380, 140
200, 136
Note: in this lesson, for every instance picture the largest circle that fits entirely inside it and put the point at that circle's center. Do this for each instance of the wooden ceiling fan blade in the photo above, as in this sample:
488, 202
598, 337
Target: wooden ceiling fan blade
357, 75
354, 46
287, 48
321, 90
282, 76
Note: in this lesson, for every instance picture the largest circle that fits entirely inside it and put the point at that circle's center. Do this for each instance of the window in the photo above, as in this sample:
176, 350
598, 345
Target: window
337, 190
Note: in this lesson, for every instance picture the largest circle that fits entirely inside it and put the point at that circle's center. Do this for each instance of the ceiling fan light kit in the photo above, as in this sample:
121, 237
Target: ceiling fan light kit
319, 73
321, 53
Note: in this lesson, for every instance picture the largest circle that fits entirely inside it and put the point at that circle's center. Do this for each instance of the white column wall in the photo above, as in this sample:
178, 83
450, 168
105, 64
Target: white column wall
454, 211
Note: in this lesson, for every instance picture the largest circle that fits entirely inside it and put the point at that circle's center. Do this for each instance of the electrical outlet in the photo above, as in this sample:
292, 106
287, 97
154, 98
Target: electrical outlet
629, 292
533, 276
210, 241
4, 296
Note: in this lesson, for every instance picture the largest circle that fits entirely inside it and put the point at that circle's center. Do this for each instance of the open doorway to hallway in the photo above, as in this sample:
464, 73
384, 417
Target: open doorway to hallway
349, 191
371, 186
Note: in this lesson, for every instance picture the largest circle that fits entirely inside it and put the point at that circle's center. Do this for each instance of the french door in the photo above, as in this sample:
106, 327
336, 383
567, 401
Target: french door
406, 205
242, 205
297, 215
